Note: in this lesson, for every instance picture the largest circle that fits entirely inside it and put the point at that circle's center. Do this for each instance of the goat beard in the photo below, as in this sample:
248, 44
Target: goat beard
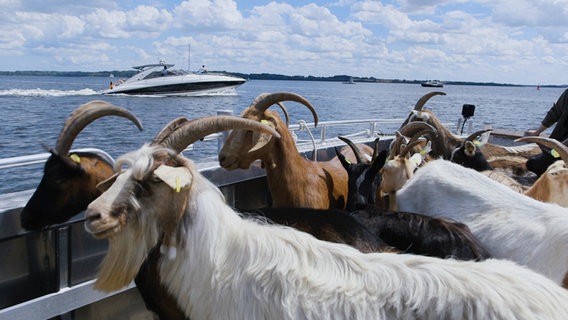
127, 251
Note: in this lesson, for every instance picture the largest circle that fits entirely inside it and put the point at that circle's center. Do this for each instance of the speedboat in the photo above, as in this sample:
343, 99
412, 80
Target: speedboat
160, 79
433, 83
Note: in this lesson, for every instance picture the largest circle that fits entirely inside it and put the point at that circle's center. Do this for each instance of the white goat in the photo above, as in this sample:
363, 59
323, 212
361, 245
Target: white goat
510, 225
230, 268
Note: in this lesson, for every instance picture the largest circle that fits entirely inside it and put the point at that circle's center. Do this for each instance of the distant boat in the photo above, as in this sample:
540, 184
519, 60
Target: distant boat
433, 83
350, 81
159, 79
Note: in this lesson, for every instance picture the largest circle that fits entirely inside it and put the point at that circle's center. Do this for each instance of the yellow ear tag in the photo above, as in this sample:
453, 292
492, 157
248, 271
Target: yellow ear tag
75, 158
178, 184
266, 122
422, 152
554, 153
477, 143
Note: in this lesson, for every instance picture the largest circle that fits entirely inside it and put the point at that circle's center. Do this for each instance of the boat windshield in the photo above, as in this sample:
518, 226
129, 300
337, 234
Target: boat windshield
165, 73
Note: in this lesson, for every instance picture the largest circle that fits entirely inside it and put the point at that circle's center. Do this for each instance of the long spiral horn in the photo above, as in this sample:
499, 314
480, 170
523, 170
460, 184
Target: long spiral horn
191, 131
83, 116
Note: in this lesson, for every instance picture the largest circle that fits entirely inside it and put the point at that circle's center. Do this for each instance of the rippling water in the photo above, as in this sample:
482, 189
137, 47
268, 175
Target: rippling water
33, 109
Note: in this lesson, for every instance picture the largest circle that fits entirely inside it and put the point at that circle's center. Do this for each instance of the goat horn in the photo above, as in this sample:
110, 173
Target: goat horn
168, 129
412, 128
560, 147
359, 156
265, 100
84, 115
476, 134
191, 131
408, 148
422, 101
286, 115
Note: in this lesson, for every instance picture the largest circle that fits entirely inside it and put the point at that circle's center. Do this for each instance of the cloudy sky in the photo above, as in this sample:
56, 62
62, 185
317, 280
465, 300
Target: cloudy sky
505, 41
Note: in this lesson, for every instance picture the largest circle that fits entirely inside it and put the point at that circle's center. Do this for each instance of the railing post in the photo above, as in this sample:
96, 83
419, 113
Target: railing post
224, 134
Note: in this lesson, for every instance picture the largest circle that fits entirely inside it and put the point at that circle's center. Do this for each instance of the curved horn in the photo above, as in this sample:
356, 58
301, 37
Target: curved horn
474, 135
560, 147
408, 147
414, 127
422, 101
359, 156
286, 115
265, 100
84, 115
191, 131
168, 129
398, 141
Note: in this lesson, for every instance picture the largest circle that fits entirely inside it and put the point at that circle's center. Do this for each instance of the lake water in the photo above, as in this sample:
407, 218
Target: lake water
33, 109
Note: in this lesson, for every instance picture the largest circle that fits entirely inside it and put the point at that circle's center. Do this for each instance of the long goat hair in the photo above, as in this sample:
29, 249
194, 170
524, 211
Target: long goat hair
227, 267
510, 225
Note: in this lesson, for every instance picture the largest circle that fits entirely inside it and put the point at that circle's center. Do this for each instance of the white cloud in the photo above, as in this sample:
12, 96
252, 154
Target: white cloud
460, 40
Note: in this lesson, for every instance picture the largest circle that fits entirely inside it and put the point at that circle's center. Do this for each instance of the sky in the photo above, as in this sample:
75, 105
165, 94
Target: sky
503, 41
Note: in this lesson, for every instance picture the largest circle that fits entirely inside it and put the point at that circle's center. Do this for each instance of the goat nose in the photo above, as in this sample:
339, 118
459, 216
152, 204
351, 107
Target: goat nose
92, 215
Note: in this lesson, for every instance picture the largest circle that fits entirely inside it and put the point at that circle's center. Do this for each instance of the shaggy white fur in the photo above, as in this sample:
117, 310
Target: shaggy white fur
510, 225
230, 268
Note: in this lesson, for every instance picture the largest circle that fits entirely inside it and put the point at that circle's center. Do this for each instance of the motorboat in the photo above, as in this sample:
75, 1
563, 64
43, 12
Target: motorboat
433, 84
161, 79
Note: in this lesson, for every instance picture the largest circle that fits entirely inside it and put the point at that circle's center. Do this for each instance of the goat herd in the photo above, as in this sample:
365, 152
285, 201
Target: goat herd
403, 233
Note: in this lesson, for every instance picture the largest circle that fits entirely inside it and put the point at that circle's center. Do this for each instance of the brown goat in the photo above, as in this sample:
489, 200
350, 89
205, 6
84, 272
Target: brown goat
293, 180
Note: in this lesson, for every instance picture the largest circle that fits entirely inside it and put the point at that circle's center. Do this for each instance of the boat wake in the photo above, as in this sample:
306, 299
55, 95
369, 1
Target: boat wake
47, 92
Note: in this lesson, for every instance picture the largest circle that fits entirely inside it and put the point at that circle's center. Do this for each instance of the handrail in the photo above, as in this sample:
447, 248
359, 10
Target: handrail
18, 161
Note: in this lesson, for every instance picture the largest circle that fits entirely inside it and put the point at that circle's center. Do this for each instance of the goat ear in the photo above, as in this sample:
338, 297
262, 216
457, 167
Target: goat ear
175, 177
104, 185
379, 161
262, 139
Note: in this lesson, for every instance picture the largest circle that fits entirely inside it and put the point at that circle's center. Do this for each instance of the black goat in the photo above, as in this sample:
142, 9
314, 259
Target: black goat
332, 225
69, 180
363, 190
468, 154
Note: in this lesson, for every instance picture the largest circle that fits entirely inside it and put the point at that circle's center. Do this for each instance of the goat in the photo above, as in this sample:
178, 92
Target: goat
77, 176
468, 154
69, 180
331, 225
293, 181
510, 225
401, 166
408, 232
221, 266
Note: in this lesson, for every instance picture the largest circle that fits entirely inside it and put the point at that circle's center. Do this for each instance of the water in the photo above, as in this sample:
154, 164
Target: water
33, 109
